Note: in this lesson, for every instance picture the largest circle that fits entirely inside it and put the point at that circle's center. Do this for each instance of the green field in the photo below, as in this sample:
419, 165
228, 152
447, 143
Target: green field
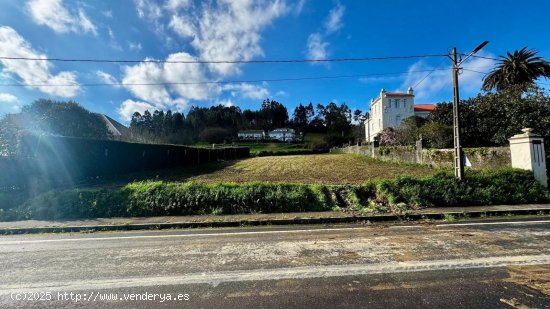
322, 169
255, 148
307, 169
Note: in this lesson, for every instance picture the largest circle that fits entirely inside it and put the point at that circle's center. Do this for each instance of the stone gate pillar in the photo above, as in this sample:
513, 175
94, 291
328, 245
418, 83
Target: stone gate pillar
527, 151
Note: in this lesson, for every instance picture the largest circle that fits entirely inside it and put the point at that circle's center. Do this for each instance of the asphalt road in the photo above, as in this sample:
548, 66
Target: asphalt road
463, 265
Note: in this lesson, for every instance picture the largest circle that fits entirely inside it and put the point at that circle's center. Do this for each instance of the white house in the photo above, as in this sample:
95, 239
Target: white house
389, 109
251, 134
282, 134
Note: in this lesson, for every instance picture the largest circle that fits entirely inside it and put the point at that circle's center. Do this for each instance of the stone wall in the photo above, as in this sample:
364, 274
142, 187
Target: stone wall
480, 158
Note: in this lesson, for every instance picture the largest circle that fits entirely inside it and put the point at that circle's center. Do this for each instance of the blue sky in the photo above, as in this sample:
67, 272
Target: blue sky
187, 30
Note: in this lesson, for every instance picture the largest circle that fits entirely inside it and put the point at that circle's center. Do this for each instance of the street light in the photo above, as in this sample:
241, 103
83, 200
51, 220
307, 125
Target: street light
458, 157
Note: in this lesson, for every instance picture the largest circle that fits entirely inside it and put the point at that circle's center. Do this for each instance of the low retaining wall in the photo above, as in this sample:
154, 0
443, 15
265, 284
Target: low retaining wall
480, 158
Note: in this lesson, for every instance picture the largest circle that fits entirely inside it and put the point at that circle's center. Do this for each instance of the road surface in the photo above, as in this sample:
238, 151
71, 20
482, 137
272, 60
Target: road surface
455, 265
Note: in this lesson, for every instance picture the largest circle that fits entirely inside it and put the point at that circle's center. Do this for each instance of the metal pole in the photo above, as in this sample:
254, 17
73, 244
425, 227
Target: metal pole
458, 162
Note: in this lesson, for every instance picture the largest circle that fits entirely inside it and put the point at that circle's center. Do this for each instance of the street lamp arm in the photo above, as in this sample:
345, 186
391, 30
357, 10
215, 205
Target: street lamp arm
478, 48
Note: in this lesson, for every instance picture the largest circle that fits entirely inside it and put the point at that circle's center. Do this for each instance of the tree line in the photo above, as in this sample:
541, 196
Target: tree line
218, 124
488, 119
215, 124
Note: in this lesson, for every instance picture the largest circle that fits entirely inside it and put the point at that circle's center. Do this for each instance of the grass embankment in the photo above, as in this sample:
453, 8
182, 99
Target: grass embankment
155, 198
334, 169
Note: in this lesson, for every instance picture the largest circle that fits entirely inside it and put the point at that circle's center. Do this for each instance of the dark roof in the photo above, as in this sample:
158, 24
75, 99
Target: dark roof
424, 107
116, 128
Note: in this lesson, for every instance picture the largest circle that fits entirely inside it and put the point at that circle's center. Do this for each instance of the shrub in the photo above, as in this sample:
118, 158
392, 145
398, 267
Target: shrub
267, 153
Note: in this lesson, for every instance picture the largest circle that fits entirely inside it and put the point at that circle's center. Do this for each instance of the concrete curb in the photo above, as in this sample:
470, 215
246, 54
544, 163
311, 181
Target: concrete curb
263, 222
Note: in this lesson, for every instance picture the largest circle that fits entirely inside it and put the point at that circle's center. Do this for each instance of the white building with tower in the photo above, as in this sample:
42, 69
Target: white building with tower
389, 109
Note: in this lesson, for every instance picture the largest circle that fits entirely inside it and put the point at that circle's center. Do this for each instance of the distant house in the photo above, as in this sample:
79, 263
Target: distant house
251, 134
282, 134
423, 110
390, 108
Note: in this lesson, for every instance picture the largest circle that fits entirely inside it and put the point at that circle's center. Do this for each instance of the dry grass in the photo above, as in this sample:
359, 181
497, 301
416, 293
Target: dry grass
325, 169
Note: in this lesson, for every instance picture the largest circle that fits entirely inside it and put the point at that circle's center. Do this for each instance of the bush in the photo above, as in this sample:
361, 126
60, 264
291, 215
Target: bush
436, 135
157, 198
507, 186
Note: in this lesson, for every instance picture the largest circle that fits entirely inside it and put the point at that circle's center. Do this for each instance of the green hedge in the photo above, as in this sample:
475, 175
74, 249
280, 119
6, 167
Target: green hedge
267, 153
156, 198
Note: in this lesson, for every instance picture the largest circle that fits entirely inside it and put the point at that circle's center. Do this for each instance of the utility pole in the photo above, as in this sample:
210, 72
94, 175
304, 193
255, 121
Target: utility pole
458, 155
458, 160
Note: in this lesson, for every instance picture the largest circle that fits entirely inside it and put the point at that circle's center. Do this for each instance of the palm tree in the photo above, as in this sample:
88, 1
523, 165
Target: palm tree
522, 67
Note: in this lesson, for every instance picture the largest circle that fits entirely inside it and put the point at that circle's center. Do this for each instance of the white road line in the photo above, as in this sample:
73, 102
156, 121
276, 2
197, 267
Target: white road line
493, 223
216, 278
14, 242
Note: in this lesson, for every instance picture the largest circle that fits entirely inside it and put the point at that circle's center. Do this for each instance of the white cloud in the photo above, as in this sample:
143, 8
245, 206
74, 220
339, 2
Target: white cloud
113, 42
180, 80
227, 30
148, 10
316, 48
246, 90
316, 42
177, 4
7, 98
147, 73
333, 22
85, 23
33, 72
441, 79
187, 72
108, 13
221, 30
134, 46
225, 102
53, 14
129, 107
107, 78
299, 7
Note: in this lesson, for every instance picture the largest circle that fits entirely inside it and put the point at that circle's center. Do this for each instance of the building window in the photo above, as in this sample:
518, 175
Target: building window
405, 103
398, 120
396, 103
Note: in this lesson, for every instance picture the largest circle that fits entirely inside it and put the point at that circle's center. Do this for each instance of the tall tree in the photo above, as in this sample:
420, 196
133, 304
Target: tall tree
522, 67
300, 118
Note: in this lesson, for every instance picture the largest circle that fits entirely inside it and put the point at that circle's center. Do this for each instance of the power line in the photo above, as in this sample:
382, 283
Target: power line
222, 61
430, 73
484, 73
482, 57
216, 82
